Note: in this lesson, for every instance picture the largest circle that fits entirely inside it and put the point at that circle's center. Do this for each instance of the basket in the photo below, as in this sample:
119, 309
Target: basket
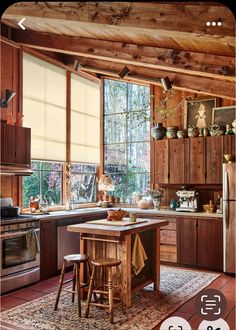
116, 215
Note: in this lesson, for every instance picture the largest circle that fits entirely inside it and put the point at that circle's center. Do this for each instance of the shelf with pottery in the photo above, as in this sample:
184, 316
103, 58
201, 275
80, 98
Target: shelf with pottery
140, 262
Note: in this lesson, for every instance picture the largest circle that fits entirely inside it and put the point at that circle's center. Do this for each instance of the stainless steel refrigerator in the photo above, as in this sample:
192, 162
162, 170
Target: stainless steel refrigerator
229, 215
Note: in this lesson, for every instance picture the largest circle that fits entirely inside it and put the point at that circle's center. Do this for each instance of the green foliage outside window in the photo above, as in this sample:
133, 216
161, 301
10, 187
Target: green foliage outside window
127, 137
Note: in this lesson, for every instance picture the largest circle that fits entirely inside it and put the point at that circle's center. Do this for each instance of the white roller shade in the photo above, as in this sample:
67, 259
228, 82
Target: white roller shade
85, 120
44, 108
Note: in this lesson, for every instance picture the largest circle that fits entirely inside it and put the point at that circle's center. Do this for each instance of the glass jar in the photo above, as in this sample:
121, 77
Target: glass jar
171, 132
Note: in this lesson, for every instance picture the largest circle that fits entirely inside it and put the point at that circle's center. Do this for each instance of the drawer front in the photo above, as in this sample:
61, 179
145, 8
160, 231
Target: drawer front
168, 253
171, 225
168, 237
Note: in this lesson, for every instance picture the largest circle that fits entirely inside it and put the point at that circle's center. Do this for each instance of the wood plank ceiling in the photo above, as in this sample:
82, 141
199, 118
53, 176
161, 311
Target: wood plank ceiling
153, 40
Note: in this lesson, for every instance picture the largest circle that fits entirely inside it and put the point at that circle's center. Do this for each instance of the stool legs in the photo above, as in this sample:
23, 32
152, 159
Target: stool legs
60, 284
110, 294
91, 283
74, 282
77, 267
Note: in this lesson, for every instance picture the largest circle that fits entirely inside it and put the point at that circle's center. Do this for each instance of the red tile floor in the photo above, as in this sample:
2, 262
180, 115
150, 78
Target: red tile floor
226, 284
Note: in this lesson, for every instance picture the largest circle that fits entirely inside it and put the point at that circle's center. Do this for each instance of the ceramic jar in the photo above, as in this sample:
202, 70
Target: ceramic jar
182, 134
158, 131
205, 131
192, 131
234, 126
216, 130
171, 132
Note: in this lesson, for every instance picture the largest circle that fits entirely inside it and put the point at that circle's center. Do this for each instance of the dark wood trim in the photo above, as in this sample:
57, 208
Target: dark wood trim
102, 128
68, 116
68, 132
20, 85
44, 57
10, 42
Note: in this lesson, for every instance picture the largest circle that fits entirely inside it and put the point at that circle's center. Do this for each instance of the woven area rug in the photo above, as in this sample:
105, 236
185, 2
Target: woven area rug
148, 307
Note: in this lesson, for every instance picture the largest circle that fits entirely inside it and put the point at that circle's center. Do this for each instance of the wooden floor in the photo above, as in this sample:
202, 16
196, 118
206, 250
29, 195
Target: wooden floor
226, 284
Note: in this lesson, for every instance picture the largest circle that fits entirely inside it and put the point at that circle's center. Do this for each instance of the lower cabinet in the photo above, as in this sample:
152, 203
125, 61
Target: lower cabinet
200, 242
210, 243
53, 241
48, 248
187, 241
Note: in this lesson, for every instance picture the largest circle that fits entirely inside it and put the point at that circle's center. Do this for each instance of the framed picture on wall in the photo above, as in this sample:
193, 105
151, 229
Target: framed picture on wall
198, 112
225, 115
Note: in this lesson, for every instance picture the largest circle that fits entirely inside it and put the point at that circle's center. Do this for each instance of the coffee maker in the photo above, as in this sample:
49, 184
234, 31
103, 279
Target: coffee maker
187, 200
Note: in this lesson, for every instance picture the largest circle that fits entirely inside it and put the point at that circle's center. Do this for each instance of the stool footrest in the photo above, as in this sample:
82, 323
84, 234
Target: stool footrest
100, 305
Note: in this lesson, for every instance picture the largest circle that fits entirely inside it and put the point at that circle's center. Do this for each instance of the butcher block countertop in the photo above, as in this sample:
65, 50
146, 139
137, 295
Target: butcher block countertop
119, 231
150, 213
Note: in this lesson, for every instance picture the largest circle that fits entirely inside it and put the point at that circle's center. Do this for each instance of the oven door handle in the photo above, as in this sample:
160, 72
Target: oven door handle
17, 234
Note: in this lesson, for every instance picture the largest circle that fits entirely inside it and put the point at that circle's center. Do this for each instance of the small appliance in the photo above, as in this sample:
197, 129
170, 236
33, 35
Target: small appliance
187, 199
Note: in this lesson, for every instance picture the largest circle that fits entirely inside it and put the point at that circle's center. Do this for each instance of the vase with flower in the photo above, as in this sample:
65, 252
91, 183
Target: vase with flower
156, 195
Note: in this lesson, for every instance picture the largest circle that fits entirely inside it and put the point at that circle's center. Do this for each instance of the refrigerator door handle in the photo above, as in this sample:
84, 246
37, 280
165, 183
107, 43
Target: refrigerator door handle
226, 185
226, 214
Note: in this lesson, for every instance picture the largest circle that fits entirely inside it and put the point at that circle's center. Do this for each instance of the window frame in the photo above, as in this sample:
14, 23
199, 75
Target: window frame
125, 143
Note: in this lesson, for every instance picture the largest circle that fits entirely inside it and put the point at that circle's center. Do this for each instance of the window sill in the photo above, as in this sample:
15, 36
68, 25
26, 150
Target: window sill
63, 208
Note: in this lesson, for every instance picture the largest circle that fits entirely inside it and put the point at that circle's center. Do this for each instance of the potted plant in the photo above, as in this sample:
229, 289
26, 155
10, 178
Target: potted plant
156, 195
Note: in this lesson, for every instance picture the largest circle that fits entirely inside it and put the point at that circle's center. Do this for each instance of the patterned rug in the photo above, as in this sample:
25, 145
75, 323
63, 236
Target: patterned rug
148, 307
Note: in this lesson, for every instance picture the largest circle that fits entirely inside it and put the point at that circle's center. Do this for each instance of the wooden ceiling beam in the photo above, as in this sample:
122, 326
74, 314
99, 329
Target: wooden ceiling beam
219, 67
185, 20
203, 85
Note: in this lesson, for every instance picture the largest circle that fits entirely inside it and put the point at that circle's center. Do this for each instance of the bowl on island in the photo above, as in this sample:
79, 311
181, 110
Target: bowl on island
116, 215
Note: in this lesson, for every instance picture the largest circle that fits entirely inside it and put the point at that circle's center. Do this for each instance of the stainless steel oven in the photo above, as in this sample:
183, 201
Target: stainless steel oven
18, 267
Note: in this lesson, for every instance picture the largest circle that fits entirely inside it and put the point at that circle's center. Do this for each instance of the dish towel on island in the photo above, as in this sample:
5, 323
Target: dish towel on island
32, 243
138, 255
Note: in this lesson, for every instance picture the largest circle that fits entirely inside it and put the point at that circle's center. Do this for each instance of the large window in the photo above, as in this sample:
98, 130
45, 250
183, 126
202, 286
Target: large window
45, 181
127, 137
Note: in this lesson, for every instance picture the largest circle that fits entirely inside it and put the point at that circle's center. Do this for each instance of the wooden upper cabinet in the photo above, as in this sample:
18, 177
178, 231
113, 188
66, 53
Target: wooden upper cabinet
161, 161
229, 146
197, 160
214, 159
8, 144
23, 145
15, 144
178, 166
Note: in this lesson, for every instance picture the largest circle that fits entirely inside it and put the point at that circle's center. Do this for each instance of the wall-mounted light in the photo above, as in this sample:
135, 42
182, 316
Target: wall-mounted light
166, 83
9, 95
76, 65
123, 72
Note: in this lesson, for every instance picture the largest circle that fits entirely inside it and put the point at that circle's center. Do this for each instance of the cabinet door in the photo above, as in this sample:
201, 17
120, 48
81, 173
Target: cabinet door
23, 145
214, 159
187, 241
197, 160
48, 249
178, 151
210, 243
161, 161
229, 146
8, 144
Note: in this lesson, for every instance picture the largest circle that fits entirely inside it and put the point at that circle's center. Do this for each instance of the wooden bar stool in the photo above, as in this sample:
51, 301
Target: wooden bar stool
104, 264
76, 259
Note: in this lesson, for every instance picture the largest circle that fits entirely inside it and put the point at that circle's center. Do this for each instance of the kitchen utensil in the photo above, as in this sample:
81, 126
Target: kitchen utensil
10, 211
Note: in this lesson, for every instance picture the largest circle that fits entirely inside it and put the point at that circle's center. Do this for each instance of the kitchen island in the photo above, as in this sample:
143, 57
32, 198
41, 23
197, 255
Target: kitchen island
100, 241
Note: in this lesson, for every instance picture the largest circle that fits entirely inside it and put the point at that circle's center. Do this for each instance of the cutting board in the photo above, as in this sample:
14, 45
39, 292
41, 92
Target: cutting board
122, 223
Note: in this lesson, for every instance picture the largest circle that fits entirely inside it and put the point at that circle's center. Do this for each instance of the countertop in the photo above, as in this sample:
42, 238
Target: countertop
109, 230
150, 212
